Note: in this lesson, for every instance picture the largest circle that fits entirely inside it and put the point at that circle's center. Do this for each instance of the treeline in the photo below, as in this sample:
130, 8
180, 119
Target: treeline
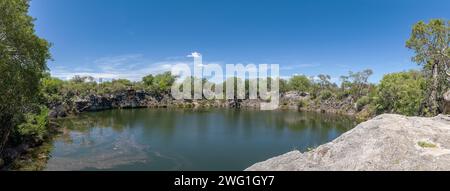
402, 92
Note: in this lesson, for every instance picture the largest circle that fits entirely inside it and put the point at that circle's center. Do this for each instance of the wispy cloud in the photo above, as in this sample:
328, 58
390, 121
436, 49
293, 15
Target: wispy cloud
299, 66
136, 66
132, 67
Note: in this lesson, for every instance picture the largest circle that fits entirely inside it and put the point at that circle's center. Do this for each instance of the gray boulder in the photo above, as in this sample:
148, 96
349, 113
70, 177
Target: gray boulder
294, 95
82, 105
58, 111
387, 142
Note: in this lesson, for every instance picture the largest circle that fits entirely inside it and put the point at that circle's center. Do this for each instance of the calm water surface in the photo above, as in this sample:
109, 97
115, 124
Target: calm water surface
163, 139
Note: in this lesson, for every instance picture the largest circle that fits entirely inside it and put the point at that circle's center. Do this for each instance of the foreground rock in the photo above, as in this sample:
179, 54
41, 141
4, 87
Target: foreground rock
387, 142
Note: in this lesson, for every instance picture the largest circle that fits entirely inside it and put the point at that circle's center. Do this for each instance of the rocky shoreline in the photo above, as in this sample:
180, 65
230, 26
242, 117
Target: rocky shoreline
141, 99
386, 142
29, 150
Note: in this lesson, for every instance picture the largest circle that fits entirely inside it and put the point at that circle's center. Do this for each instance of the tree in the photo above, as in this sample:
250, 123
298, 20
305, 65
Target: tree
324, 81
430, 43
300, 83
284, 87
356, 83
51, 85
23, 57
51, 89
360, 81
163, 82
148, 80
82, 79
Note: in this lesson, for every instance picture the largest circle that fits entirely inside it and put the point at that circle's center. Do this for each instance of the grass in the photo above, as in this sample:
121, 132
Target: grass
424, 144
311, 148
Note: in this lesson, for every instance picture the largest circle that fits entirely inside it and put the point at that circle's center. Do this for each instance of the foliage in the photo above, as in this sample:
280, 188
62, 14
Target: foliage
430, 43
35, 125
50, 89
284, 85
299, 83
324, 81
160, 83
148, 80
401, 93
363, 101
326, 94
81, 79
23, 57
356, 83
302, 103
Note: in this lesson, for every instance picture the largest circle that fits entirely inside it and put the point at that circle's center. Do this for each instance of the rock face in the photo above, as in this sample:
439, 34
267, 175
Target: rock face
447, 102
292, 99
74, 103
140, 99
387, 142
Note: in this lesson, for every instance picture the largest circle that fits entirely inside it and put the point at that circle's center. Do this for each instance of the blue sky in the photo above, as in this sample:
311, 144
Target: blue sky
131, 38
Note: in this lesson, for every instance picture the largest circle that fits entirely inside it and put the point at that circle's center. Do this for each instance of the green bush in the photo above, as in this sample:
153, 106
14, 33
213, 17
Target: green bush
302, 103
299, 83
326, 94
51, 85
160, 83
401, 93
342, 94
35, 125
363, 101
51, 89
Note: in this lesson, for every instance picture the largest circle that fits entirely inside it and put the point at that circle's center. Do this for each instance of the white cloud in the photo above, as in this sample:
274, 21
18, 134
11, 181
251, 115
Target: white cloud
194, 55
136, 66
132, 67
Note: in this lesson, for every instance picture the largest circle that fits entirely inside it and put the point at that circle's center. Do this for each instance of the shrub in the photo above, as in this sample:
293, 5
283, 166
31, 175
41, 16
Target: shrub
326, 94
35, 125
300, 83
401, 93
302, 103
363, 101
342, 94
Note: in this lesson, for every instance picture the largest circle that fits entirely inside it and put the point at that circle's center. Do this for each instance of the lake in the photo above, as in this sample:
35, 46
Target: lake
166, 139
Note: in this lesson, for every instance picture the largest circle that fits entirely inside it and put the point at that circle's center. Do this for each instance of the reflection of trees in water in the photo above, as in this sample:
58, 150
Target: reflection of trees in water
101, 141
311, 128
319, 126
166, 120
94, 133
299, 120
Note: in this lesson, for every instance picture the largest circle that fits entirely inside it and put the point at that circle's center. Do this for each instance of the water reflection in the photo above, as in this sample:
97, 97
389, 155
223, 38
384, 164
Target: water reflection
163, 139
